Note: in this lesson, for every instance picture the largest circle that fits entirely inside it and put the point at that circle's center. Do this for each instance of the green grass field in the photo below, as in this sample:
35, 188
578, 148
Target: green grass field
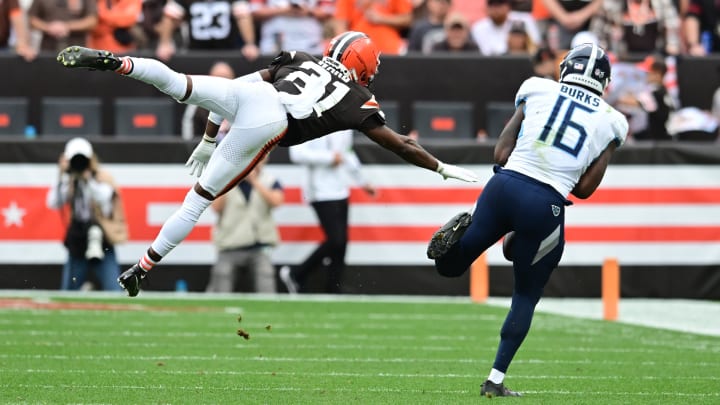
366, 350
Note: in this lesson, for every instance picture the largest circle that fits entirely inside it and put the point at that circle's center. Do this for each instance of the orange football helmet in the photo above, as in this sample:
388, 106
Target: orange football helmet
357, 53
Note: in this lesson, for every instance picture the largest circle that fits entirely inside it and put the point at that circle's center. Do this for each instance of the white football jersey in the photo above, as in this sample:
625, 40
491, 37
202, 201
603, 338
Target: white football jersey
565, 128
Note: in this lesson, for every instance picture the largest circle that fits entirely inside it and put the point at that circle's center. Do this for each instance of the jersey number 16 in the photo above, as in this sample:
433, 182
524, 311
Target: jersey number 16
565, 122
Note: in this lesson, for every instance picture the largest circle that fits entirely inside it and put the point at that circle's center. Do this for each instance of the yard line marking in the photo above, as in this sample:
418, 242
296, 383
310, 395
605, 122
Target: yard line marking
359, 375
269, 359
279, 333
265, 335
244, 345
241, 389
352, 390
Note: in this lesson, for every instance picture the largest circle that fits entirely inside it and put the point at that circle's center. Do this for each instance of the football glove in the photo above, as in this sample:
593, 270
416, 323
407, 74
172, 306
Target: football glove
456, 172
201, 155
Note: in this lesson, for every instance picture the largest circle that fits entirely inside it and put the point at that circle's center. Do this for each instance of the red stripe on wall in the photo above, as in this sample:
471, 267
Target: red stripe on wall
469, 195
140, 196
572, 234
41, 223
653, 196
293, 195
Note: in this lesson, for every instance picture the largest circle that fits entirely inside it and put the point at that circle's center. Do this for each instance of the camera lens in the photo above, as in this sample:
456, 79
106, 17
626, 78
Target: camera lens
79, 163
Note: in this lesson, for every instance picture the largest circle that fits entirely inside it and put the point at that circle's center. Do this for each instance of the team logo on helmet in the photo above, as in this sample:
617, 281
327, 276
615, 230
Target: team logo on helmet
357, 53
586, 65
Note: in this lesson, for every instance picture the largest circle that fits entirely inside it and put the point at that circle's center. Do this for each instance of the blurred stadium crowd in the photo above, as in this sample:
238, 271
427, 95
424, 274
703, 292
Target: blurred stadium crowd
655, 32
257, 27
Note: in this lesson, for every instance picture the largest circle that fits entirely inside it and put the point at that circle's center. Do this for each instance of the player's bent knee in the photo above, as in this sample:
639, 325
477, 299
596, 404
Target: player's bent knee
202, 192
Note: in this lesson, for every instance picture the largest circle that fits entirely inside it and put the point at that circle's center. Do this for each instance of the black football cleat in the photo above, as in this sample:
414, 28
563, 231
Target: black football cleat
490, 389
131, 278
93, 59
448, 235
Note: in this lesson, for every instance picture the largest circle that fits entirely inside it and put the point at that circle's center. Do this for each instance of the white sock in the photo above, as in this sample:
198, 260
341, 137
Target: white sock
179, 225
496, 376
158, 74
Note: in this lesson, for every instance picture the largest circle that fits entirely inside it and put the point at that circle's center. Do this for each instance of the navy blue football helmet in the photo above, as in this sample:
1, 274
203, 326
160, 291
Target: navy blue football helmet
586, 65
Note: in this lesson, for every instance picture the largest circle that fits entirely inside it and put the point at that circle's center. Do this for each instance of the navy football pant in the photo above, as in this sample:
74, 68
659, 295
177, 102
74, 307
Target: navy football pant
536, 212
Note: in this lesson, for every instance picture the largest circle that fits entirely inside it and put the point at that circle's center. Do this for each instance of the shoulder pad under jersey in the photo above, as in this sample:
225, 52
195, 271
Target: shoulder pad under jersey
532, 85
619, 125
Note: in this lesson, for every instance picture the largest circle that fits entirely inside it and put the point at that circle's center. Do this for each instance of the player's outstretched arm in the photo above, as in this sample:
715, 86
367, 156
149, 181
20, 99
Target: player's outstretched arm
508, 137
592, 177
408, 149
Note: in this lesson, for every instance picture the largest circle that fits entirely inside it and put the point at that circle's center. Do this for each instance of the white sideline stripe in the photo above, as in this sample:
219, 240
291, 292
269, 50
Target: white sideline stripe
692, 316
174, 175
386, 253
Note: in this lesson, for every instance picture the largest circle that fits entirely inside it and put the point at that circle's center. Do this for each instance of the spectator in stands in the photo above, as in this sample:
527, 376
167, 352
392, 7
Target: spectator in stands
245, 232
654, 101
63, 22
13, 20
86, 193
638, 26
702, 27
419, 9
149, 18
429, 30
194, 118
545, 63
329, 161
213, 24
491, 33
292, 24
116, 22
382, 20
519, 42
473, 10
457, 36
568, 17
542, 18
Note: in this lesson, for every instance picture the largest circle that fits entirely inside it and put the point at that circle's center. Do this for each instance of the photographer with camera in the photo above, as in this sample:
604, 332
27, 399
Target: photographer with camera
89, 203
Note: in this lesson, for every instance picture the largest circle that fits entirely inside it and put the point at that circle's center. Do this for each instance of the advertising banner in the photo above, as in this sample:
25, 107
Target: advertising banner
654, 215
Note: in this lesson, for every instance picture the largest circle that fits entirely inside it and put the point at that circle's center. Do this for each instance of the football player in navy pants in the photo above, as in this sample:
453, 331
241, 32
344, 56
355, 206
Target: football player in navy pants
559, 141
